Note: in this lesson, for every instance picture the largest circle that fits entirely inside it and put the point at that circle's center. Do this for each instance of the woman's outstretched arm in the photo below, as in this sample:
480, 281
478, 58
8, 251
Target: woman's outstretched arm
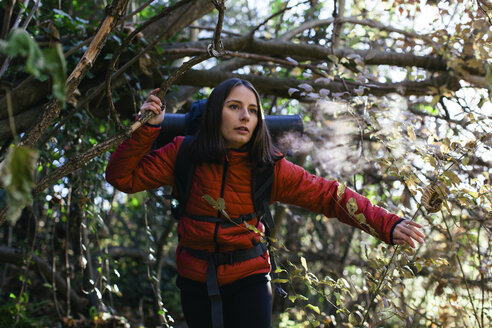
294, 185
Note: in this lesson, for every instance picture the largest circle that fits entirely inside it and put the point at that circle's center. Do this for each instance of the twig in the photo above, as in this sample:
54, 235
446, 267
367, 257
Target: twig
26, 267
53, 271
19, 15
479, 3
252, 32
77, 47
480, 259
10, 111
7, 16
180, 71
382, 279
139, 9
67, 243
461, 269
124, 45
31, 14
154, 279
213, 29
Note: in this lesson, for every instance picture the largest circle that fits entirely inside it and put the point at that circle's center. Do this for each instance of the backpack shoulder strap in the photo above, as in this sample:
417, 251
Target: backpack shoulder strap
261, 188
184, 169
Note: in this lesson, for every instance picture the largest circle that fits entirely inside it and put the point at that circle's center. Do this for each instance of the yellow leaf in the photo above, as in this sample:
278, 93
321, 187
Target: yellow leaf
431, 160
341, 190
361, 218
352, 206
411, 133
406, 272
452, 177
304, 263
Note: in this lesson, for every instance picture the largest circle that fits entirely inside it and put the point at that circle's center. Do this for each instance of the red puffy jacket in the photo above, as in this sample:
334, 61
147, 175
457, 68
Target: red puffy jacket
132, 169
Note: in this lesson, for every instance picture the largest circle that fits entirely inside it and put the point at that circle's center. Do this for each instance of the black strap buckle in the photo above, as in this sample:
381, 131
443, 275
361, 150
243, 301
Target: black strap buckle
223, 258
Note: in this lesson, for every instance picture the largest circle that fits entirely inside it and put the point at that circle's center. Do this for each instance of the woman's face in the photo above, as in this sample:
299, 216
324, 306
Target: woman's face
239, 117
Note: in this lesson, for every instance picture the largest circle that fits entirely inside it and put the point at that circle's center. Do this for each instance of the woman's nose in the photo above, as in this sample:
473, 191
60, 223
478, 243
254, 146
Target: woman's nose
245, 115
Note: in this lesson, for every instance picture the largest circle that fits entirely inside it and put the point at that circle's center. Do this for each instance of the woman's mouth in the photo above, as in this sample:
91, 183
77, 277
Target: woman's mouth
242, 129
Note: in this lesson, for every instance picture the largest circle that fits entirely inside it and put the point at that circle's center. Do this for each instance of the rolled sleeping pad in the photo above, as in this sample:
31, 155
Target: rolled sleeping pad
175, 125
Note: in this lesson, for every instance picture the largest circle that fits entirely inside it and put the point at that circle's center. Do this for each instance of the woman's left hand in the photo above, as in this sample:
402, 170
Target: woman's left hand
406, 232
153, 104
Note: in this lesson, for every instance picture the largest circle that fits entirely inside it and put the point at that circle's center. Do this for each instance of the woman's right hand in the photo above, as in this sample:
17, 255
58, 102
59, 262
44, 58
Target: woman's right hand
154, 104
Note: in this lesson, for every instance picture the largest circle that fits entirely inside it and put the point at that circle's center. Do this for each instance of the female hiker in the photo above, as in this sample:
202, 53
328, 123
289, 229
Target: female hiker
223, 265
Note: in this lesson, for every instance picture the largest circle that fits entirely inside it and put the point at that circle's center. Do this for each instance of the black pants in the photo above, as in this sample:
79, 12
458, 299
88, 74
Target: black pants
246, 303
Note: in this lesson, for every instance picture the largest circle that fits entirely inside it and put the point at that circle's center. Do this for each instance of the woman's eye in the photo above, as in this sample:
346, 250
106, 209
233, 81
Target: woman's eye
252, 110
233, 106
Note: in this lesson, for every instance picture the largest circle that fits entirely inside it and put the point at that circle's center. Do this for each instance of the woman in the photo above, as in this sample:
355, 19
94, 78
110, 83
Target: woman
232, 142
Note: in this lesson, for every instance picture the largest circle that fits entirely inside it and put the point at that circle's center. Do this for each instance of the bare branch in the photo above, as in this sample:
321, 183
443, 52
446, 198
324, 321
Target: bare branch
355, 20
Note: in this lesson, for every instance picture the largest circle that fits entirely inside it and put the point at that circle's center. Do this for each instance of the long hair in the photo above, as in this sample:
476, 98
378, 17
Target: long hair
209, 144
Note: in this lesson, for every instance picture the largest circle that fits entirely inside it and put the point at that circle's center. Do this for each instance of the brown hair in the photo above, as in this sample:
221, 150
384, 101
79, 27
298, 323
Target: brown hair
209, 144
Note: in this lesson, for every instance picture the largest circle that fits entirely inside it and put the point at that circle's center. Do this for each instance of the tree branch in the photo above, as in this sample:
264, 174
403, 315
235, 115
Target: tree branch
280, 86
52, 109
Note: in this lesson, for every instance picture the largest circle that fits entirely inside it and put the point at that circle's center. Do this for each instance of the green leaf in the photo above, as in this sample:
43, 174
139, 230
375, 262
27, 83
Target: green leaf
353, 319
314, 308
294, 297
210, 200
56, 67
41, 64
18, 177
252, 228
339, 298
220, 204
280, 281
20, 43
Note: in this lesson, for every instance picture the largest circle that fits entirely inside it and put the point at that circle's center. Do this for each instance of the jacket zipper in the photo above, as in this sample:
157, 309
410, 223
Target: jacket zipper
219, 214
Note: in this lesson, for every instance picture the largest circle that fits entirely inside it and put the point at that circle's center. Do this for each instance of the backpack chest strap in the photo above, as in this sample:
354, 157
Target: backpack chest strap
224, 223
232, 257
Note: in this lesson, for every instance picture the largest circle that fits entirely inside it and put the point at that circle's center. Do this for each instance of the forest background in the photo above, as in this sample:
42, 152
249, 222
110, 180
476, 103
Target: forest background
395, 99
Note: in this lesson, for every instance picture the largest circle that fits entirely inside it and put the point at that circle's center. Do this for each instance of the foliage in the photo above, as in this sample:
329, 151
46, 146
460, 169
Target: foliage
18, 179
39, 63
